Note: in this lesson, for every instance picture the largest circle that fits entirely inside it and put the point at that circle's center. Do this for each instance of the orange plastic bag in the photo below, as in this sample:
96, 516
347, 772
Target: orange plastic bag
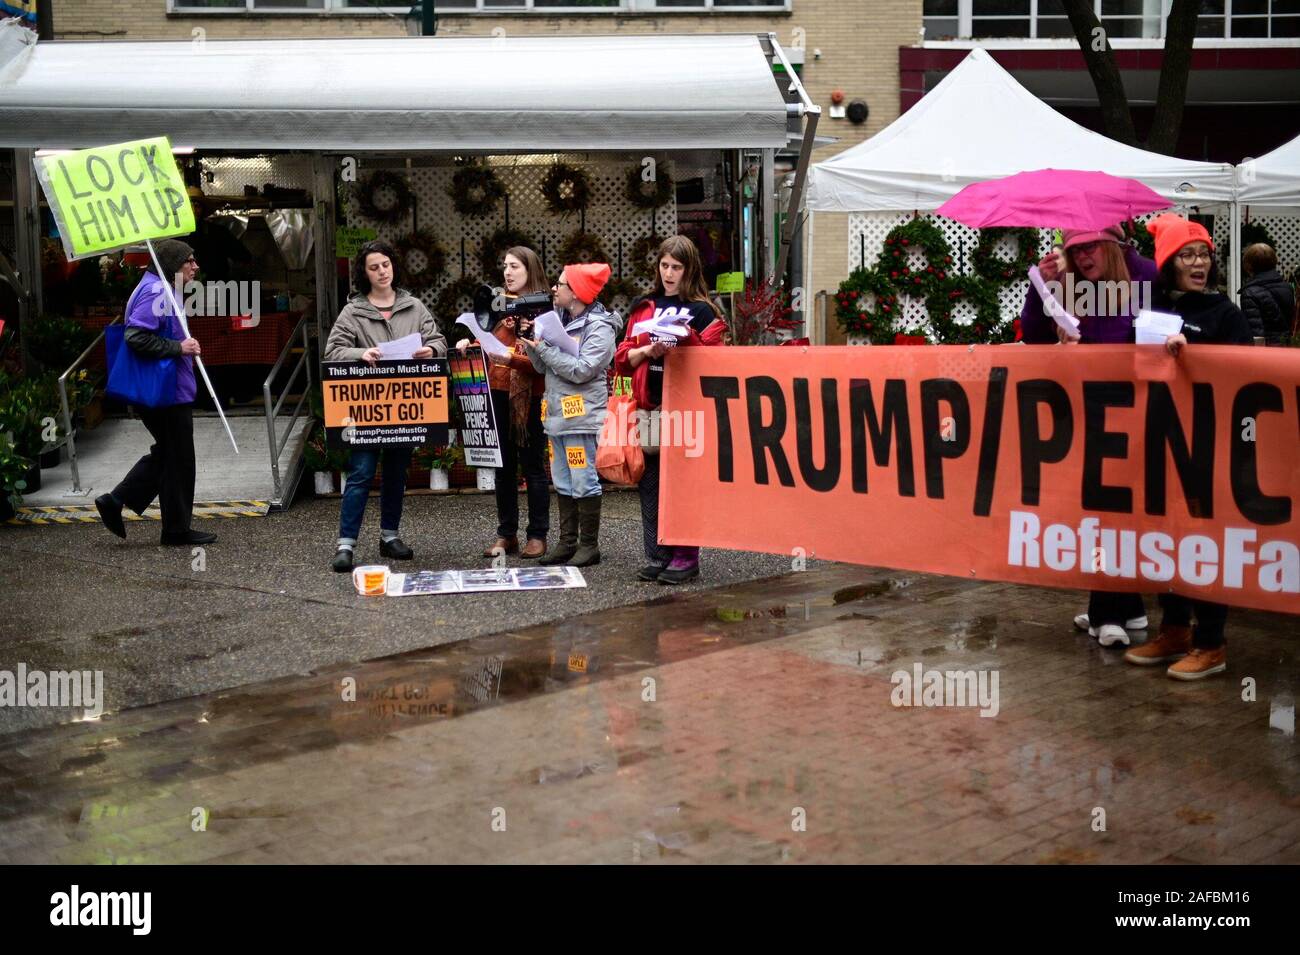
619, 457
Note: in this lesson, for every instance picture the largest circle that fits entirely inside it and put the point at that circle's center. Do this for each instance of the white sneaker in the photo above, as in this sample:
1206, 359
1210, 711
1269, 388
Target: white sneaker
1109, 634
1133, 623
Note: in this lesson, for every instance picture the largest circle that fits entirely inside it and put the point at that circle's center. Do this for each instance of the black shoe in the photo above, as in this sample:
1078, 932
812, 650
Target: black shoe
187, 538
110, 512
342, 563
395, 549
650, 572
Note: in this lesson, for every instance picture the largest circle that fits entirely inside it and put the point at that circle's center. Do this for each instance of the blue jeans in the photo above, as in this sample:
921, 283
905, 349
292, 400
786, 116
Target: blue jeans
574, 481
360, 473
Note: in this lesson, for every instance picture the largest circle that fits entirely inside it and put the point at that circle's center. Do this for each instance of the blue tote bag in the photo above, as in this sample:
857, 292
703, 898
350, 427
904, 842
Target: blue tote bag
133, 378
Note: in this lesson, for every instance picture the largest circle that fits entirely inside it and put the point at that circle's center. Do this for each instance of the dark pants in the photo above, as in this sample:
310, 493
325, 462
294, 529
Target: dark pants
361, 471
648, 491
1210, 618
1105, 607
533, 458
167, 471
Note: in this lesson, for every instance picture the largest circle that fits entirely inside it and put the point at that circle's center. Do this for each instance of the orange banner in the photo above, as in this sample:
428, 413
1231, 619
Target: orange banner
1105, 467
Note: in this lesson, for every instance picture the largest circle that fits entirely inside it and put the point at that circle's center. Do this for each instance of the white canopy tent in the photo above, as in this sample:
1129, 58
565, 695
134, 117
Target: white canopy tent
980, 124
1272, 180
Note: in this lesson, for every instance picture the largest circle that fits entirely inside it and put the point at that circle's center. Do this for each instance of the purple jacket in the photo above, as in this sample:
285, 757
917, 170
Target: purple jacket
148, 308
1037, 328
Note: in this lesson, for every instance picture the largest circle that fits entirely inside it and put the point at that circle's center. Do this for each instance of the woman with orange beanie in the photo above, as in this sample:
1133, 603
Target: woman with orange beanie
1186, 286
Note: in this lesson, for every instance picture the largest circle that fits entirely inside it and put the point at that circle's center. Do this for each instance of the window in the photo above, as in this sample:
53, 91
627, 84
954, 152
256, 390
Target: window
1122, 19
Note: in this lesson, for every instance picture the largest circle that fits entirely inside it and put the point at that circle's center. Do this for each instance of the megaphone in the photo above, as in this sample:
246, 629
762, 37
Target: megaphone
522, 308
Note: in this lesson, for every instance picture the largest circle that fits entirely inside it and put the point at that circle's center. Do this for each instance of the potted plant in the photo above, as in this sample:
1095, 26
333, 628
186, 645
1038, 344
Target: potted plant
14, 469
323, 461
439, 459
29, 414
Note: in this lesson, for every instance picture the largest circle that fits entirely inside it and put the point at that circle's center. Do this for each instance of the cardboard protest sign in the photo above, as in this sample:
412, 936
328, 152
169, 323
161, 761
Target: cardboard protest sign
110, 196
480, 437
388, 404
1118, 468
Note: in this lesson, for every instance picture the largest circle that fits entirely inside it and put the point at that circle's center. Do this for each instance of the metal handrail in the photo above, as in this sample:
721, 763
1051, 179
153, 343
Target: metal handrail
304, 363
67, 413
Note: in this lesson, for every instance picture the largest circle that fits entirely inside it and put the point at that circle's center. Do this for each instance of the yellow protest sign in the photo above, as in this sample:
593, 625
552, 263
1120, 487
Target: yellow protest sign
110, 196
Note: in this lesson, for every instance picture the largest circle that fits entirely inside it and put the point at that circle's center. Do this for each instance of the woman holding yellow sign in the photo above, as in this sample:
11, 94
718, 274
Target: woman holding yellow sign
378, 312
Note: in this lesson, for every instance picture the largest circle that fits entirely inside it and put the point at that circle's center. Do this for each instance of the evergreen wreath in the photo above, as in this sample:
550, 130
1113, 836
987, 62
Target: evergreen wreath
581, 248
1004, 271
475, 190
435, 257
645, 256
448, 306
378, 182
648, 194
867, 304
566, 189
494, 249
628, 289
986, 327
894, 261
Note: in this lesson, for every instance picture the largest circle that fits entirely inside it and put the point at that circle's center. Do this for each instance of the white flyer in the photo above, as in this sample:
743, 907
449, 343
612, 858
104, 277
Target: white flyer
1152, 327
1050, 305
483, 581
662, 325
490, 344
400, 348
549, 328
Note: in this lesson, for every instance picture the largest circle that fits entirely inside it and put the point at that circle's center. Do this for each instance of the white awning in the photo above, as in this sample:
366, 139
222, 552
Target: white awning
980, 124
404, 93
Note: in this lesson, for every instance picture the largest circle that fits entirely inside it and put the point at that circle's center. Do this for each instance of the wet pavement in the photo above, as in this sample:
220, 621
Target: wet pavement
750, 723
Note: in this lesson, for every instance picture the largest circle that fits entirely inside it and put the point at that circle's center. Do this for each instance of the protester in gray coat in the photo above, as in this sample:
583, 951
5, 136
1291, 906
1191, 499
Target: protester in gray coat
574, 408
379, 312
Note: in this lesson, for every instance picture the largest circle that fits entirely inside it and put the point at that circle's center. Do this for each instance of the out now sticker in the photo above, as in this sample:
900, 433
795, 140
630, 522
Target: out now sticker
577, 456
543, 409
572, 406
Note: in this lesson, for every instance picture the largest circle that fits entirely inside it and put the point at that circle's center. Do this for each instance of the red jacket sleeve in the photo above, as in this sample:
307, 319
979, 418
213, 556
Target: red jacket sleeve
622, 368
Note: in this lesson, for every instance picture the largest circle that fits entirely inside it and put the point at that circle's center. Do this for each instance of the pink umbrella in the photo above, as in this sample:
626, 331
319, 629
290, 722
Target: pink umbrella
1052, 198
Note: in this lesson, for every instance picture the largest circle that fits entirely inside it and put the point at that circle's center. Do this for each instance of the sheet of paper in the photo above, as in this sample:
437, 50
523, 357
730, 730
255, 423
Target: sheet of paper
490, 344
549, 328
1050, 305
661, 325
1152, 327
400, 348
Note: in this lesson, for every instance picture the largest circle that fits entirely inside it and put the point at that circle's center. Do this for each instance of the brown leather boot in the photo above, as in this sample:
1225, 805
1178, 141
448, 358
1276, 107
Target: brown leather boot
1169, 644
535, 547
502, 545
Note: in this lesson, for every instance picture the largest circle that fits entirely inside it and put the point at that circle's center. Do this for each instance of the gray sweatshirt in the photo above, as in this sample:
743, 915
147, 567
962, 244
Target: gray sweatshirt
580, 378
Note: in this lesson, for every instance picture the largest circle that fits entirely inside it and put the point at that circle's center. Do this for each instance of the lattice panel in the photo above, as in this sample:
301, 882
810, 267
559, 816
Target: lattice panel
1285, 230
232, 173
610, 215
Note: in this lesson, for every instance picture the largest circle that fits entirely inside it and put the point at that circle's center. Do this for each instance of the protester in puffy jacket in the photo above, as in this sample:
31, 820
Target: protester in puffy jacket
378, 312
1185, 254
1267, 299
517, 401
167, 472
1096, 270
574, 408
679, 289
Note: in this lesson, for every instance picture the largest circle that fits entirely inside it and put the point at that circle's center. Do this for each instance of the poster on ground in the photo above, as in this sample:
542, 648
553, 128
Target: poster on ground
479, 437
388, 404
1105, 467
484, 581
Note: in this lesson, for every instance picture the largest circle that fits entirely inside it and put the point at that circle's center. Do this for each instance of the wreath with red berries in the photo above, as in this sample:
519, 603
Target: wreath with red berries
1000, 271
867, 304
987, 327
895, 257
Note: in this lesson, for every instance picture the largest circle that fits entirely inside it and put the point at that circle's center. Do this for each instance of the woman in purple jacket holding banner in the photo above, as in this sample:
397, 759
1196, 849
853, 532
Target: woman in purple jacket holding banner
1102, 282
167, 472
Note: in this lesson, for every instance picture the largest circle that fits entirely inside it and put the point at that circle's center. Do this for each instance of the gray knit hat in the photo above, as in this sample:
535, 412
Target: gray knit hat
172, 254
